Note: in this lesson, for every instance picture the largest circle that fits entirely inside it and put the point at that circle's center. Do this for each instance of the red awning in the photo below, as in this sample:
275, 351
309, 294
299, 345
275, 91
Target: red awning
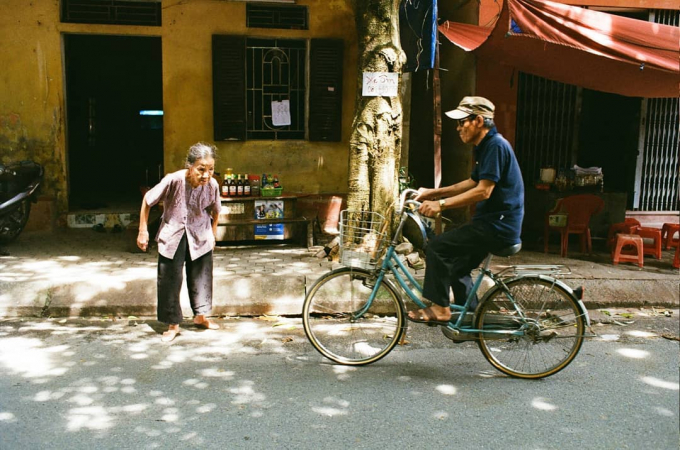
578, 46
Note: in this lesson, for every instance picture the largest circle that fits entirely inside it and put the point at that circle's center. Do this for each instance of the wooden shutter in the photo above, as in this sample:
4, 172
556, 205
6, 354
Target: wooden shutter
325, 92
229, 91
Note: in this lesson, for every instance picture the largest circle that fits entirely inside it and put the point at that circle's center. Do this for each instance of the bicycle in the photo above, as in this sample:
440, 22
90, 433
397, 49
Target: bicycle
527, 325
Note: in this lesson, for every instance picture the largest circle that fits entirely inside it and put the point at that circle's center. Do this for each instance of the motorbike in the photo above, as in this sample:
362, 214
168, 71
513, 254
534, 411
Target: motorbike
19, 184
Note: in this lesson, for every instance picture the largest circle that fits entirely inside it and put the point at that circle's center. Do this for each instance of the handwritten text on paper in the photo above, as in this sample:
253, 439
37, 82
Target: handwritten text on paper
383, 84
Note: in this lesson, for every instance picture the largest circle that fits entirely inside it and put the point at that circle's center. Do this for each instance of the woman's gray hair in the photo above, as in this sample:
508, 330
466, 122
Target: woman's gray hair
200, 150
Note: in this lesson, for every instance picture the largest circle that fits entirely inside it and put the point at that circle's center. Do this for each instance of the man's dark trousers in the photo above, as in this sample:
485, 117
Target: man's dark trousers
451, 256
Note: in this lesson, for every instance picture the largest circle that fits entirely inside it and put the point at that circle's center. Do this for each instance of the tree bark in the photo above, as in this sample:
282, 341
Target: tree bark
375, 143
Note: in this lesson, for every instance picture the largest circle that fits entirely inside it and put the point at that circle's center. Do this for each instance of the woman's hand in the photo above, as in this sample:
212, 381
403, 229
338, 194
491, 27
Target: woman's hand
143, 240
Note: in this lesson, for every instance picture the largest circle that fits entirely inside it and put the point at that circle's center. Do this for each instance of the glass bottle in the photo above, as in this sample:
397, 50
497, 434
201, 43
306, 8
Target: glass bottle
239, 186
224, 190
232, 187
246, 186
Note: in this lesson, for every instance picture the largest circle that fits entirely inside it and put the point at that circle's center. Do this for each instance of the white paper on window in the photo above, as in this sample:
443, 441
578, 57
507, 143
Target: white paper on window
281, 113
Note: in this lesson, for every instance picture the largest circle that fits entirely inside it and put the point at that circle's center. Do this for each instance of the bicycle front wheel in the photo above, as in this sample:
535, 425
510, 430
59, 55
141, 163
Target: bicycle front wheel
341, 323
539, 326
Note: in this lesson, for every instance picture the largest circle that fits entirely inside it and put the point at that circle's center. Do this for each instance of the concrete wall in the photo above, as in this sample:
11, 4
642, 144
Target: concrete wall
32, 97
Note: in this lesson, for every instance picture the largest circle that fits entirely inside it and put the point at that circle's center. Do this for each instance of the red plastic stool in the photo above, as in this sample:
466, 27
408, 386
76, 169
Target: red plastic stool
653, 248
623, 240
667, 232
626, 226
676, 260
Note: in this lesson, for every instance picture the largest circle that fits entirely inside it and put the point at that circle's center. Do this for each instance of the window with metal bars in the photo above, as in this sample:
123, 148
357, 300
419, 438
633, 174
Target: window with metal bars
286, 17
114, 12
249, 74
275, 72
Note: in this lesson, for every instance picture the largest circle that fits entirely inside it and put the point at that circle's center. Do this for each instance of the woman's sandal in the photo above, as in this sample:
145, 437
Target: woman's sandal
207, 325
169, 335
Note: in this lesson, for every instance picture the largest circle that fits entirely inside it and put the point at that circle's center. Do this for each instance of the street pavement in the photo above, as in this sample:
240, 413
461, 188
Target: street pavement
257, 383
84, 273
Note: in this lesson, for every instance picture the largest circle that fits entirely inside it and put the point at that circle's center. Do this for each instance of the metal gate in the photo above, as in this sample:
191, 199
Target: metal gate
657, 177
547, 113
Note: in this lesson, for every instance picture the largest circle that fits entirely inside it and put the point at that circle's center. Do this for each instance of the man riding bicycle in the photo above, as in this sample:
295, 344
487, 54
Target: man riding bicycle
495, 187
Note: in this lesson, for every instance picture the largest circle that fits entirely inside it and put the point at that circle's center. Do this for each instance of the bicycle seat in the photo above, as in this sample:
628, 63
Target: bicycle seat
508, 251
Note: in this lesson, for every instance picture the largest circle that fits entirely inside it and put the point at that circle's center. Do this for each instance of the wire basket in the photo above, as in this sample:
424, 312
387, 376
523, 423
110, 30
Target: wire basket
362, 238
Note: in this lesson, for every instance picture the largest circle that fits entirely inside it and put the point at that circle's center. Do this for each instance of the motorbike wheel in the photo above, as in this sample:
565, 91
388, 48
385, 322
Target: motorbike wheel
14, 222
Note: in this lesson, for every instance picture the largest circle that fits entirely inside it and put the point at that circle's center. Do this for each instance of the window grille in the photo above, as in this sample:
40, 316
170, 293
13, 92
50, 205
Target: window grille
277, 16
113, 12
275, 71
250, 73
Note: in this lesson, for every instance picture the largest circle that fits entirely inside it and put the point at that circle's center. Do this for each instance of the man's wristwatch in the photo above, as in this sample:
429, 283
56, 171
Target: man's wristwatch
442, 203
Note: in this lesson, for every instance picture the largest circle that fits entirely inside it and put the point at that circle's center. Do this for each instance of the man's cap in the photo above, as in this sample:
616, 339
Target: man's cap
472, 106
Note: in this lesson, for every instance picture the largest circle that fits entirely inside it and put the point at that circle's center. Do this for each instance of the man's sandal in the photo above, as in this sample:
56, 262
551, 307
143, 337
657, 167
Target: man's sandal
428, 317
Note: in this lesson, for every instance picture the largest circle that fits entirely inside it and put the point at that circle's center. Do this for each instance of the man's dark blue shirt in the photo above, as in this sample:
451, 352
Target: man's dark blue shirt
504, 210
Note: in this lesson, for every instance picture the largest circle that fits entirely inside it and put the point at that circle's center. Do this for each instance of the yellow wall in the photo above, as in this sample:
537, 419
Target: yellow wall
311, 167
31, 89
32, 99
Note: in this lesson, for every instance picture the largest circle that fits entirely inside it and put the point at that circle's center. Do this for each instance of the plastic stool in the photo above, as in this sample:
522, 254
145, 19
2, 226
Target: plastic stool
676, 260
623, 240
626, 227
667, 232
654, 234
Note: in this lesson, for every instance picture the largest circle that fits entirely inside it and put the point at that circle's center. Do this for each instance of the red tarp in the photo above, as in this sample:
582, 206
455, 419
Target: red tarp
578, 46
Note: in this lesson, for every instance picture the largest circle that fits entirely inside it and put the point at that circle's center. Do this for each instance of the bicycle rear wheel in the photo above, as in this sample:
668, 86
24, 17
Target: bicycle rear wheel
341, 324
549, 320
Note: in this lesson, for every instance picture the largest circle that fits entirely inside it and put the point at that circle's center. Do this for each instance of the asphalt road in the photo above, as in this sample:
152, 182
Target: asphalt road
257, 383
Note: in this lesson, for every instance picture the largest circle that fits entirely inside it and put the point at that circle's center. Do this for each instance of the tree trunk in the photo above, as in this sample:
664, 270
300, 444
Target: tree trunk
375, 144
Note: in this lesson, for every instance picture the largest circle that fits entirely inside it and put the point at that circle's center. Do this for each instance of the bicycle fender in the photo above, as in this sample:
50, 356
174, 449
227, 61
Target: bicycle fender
421, 229
583, 311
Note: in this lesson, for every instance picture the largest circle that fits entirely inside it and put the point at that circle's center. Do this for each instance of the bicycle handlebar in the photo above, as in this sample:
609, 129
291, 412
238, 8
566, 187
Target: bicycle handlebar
403, 201
414, 203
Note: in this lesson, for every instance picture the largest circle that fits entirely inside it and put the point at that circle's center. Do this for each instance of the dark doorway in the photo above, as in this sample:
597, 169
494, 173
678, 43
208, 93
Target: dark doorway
609, 130
114, 118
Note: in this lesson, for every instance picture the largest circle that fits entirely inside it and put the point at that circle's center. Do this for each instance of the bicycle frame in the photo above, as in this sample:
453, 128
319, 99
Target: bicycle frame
392, 264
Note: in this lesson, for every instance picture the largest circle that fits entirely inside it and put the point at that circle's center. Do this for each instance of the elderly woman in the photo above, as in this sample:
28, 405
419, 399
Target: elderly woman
191, 205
